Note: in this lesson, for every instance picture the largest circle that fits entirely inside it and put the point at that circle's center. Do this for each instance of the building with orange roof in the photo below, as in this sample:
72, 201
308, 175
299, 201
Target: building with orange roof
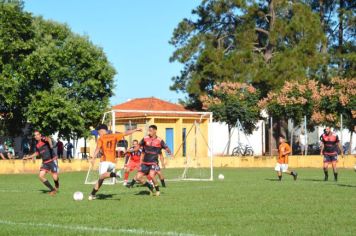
186, 132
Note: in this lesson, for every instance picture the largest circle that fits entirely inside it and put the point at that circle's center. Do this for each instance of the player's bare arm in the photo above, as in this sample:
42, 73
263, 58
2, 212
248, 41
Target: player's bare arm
129, 132
341, 149
95, 154
161, 159
32, 156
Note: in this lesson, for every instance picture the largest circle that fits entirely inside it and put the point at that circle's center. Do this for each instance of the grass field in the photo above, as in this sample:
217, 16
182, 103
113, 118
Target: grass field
247, 202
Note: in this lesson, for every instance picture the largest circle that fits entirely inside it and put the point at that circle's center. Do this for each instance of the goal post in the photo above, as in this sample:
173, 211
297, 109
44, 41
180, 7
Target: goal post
187, 133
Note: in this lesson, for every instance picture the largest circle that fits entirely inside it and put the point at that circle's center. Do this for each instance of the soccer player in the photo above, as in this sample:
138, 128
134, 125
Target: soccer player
107, 145
330, 145
44, 149
152, 146
282, 163
133, 160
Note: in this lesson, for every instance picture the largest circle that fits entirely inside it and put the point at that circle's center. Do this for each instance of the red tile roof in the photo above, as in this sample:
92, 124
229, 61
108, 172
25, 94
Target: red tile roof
151, 104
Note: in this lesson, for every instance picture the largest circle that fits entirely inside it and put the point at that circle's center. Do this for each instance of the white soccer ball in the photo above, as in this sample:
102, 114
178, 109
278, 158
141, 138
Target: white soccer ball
221, 176
78, 196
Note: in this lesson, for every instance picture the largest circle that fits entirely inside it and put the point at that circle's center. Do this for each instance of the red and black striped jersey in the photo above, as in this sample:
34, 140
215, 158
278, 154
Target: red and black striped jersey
152, 147
330, 142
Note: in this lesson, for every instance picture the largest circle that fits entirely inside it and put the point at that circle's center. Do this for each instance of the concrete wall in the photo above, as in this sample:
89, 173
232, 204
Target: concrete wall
21, 167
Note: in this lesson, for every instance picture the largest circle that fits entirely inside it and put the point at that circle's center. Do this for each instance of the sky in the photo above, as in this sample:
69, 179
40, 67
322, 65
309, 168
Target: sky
134, 34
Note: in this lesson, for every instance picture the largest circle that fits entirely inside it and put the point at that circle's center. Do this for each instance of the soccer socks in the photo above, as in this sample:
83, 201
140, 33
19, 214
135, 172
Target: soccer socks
279, 177
56, 183
163, 183
126, 176
294, 174
94, 191
148, 185
326, 173
131, 184
335, 176
157, 188
48, 185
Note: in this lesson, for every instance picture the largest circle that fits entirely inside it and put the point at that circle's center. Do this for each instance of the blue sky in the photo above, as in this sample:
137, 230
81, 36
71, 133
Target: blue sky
134, 35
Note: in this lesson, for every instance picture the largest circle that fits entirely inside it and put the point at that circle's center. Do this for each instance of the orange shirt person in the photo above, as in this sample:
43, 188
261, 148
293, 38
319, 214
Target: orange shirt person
107, 145
282, 162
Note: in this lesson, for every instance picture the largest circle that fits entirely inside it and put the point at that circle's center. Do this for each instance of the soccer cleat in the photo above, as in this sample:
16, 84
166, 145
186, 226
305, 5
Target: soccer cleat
52, 193
118, 174
91, 197
125, 183
326, 178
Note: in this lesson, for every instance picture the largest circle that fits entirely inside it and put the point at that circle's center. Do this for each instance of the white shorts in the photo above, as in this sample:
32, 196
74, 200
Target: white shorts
106, 166
281, 167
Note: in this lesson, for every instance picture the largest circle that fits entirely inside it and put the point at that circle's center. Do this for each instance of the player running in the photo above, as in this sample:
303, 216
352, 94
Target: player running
44, 149
107, 145
330, 145
152, 146
282, 163
133, 160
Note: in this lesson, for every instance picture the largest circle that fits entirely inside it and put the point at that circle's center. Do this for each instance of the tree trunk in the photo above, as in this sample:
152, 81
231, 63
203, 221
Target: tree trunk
272, 17
341, 34
324, 46
350, 146
229, 139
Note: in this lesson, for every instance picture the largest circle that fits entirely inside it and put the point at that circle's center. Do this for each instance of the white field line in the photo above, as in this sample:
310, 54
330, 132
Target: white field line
94, 229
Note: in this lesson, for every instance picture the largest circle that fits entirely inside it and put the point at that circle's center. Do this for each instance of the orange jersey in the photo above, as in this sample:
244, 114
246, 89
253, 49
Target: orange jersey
107, 143
283, 147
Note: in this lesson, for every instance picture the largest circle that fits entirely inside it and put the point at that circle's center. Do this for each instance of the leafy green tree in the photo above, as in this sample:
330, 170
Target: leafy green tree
338, 21
259, 42
55, 79
16, 43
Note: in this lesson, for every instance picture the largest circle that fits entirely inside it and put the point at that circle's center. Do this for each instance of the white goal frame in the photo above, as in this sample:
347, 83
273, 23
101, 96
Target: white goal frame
209, 142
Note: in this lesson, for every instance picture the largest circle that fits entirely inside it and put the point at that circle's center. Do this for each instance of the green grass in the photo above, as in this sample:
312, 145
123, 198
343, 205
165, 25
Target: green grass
247, 202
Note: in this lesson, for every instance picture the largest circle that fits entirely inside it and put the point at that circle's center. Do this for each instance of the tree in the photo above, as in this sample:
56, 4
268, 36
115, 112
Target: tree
338, 22
321, 104
232, 102
60, 81
259, 42
16, 43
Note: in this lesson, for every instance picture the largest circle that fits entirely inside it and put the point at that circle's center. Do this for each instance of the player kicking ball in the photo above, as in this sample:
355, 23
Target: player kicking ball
152, 147
133, 159
282, 163
44, 149
107, 145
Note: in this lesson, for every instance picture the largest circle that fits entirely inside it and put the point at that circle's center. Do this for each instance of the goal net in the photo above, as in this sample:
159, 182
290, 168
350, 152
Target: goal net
187, 134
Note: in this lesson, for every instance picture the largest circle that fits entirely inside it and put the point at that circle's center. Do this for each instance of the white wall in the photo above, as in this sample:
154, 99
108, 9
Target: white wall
220, 137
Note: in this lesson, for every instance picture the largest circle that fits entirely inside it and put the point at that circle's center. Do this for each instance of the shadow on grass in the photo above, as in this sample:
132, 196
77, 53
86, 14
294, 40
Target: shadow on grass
102, 196
44, 191
273, 180
144, 192
313, 180
347, 185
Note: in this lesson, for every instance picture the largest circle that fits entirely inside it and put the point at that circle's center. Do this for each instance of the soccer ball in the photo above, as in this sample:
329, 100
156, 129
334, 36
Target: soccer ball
221, 176
78, 196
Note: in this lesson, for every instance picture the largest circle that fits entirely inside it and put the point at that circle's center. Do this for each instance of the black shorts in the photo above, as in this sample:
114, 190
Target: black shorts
147, 168
49, 167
